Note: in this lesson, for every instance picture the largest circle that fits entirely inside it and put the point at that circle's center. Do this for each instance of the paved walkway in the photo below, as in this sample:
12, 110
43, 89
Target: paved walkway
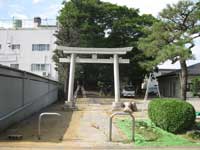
92, 132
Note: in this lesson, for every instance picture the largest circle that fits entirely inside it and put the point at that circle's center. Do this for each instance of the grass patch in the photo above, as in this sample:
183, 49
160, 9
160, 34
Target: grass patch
147, 134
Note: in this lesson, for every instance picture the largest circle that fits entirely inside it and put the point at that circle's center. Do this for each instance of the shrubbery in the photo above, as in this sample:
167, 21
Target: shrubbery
196, 86
171, 114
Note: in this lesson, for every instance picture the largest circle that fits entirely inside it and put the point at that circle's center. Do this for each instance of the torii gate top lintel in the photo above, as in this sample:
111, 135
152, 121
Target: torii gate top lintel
82, 50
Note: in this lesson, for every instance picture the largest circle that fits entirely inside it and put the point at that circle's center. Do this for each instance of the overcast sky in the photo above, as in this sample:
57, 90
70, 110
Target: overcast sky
27, 9
145, 6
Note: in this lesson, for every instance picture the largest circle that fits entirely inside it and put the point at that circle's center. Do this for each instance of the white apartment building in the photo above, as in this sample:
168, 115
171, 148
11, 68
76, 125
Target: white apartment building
29, 49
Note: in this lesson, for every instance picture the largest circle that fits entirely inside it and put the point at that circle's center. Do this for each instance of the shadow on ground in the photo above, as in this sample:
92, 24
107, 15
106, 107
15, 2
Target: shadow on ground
52, 127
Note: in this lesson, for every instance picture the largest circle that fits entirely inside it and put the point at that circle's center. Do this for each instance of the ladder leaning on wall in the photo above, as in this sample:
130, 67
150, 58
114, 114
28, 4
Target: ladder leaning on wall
147, 91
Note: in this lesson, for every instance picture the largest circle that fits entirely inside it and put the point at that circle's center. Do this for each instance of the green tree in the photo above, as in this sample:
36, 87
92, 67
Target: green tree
67, 35
172, 38
92, 23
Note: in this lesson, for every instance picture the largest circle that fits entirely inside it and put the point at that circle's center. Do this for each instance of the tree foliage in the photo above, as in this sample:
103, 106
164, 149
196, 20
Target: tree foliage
172, 37
92, 23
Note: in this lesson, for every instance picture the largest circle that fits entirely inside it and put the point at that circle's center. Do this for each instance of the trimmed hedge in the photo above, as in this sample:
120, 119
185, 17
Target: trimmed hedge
172, 115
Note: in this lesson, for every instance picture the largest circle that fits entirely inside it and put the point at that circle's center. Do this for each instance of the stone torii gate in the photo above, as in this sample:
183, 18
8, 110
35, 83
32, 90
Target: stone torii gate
73, 59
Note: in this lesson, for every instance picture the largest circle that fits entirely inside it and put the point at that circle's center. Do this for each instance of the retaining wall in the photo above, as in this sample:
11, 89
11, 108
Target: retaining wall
22, 94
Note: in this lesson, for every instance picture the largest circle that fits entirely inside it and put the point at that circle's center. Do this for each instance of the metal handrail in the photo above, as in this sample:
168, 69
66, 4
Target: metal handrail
40, 118
122, 113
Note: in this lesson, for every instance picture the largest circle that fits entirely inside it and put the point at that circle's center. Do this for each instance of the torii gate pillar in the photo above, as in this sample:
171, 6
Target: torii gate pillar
116, 103
71, 78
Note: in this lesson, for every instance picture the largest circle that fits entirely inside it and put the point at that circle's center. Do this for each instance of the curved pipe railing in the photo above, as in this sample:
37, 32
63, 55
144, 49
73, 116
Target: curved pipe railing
122, 114
40, 118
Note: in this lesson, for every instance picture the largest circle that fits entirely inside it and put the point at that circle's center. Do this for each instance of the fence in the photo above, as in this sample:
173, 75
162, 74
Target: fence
22, 94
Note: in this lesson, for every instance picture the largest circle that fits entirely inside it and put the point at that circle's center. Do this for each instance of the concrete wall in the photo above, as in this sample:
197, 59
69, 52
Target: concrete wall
22, 94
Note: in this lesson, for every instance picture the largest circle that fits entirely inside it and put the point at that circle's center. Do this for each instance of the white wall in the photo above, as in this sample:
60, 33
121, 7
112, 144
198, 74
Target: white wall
25, 56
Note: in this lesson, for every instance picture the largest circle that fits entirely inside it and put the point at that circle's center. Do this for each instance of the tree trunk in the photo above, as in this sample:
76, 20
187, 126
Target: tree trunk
184, 76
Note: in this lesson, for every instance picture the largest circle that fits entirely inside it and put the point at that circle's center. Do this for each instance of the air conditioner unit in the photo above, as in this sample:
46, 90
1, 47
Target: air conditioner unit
45, 74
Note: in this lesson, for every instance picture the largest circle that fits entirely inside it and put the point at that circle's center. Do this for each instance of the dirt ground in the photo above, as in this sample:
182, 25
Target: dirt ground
85, 127
52, 127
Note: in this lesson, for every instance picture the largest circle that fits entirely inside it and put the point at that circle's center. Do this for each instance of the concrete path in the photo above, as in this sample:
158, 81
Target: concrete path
93, 129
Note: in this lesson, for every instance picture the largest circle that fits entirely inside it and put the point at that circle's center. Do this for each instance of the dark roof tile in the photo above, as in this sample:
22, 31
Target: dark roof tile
192, 70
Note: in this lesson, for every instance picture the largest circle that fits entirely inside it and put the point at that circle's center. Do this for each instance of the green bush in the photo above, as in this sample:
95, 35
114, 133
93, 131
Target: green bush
171, 115
196, 86
194, 135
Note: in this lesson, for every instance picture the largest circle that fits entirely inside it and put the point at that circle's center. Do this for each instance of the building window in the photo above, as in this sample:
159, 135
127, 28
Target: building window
40, 47
15, 46
39, 67
16, 66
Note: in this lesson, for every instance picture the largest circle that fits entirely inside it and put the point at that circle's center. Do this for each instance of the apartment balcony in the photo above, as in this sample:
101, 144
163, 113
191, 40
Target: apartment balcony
8, 58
